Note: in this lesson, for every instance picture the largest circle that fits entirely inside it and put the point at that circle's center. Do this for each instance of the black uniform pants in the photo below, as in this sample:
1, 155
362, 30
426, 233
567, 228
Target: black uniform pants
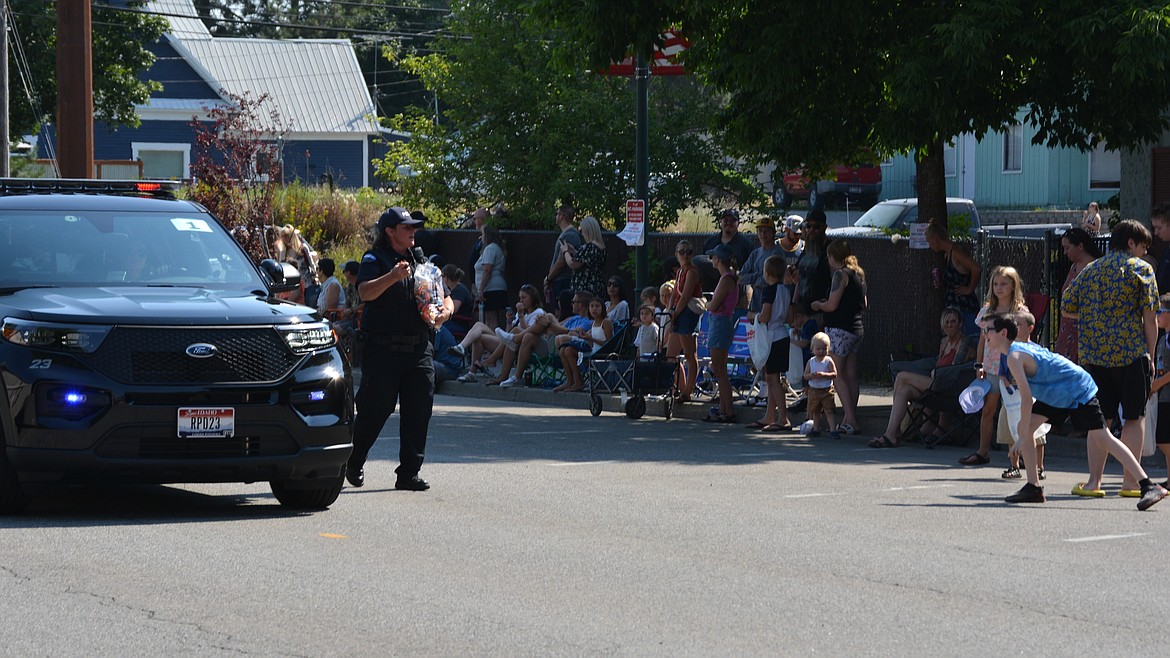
390, 376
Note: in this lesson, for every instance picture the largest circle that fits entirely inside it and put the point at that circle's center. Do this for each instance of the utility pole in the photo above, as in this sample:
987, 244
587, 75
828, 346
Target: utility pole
74, 89
5, 156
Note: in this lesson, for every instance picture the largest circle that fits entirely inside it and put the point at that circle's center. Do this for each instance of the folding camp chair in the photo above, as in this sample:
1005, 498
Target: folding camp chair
942, 398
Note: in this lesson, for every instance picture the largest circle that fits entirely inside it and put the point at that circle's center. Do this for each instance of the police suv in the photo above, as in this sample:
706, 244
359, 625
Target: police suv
142, 344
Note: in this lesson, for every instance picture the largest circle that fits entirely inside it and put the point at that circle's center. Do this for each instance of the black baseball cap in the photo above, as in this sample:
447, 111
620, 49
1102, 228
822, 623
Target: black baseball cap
351, 267
395, 216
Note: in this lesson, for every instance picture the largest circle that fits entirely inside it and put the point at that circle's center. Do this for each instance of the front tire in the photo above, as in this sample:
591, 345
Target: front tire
300, 497
13, 499
595, 405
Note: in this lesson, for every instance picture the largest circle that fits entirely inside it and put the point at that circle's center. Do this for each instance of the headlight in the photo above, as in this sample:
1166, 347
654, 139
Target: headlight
303, 338
69, 338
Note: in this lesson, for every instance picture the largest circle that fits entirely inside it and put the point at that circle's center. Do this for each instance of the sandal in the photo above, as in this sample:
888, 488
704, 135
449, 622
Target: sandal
729, 419
777, 427
975, 459
1011, 474
757, 425
714, 418
882, 442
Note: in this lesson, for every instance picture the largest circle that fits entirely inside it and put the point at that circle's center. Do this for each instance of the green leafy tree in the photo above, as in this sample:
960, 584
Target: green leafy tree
821, 83
119, 57
524, 122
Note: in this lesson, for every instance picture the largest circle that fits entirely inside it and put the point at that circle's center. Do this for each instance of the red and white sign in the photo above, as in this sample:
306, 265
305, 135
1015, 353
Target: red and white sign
634, 233
664, 61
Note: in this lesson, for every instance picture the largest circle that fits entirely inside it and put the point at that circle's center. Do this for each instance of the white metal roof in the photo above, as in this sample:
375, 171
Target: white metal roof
316, 84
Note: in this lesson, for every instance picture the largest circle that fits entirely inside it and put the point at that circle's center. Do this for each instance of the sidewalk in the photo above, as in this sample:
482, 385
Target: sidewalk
873, 411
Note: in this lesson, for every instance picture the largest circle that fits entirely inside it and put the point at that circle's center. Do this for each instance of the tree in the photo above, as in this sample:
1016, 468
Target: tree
237, 166
822, 83
119, 57
524, 122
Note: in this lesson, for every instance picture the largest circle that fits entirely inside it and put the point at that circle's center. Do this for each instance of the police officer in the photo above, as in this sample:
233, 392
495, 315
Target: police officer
398, 353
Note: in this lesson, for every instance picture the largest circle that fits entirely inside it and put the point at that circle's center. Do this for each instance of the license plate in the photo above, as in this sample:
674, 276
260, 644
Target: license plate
855, 189
207, 422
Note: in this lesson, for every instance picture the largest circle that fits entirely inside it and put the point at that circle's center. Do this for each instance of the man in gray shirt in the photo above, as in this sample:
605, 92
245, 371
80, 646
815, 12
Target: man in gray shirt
569, 240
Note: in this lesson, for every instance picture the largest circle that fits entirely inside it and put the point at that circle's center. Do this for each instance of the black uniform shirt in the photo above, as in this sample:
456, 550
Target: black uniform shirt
395, 310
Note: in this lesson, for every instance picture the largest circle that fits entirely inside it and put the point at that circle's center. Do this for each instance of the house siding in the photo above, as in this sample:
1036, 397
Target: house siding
1049, 177
177, 77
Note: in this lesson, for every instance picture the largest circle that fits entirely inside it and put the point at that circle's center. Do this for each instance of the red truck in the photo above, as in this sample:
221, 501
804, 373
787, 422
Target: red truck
861, 184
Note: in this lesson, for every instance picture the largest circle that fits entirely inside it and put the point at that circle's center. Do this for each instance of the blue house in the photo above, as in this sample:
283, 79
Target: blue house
1005, 170
315, 85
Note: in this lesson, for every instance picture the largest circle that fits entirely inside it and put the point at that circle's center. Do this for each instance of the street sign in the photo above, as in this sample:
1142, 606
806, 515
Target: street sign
634, 234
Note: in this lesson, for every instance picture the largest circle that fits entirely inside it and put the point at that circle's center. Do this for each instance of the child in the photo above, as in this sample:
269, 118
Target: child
721, 309
1004, 295
647, 338
586, 341
819, 372
649, 297
1160, 386
1027, 323
775, 312
1061, 389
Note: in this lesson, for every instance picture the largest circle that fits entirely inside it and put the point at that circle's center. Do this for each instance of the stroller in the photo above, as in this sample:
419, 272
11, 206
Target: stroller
634, 376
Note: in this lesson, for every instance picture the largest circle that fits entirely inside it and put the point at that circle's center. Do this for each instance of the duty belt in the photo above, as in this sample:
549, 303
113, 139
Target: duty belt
397, 342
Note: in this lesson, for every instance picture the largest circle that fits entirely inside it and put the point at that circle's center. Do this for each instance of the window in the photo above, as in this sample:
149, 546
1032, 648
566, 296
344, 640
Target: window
950, 159
159, 160
1013, 149
1104, 168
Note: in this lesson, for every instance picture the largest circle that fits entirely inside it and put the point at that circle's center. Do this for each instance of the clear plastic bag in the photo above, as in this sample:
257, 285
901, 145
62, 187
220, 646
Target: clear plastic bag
428, 291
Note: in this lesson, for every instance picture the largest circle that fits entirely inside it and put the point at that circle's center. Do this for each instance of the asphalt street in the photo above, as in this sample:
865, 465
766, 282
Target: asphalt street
550, 532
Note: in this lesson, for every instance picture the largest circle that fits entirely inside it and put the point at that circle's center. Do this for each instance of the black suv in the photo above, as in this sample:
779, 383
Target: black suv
141, 344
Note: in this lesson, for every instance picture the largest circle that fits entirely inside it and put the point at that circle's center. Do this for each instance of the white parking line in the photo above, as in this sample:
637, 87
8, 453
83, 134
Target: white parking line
609, 461
1077, 540
921, 486
811, 495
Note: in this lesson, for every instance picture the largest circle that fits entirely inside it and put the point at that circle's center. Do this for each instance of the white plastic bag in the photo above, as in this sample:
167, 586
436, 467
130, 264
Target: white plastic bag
1149, 444
759, 341
1010, 395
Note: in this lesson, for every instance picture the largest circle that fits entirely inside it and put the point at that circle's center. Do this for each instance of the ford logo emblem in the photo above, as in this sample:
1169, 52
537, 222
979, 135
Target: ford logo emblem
202, 350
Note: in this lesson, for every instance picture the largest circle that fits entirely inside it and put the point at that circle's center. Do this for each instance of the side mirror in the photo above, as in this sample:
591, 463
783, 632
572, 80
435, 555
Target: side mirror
282, 277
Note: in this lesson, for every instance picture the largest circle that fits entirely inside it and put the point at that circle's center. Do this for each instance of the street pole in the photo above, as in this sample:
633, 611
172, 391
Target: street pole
642, 156
74, 89
5, 156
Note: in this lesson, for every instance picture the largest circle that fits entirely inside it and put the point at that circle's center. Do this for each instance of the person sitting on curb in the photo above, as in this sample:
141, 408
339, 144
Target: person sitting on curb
1061, 389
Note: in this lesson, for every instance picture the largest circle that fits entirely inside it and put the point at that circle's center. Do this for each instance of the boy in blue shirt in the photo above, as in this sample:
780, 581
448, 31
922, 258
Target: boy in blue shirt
1061, 390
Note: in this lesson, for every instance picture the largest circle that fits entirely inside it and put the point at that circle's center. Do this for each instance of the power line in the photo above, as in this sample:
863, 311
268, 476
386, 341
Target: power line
259, 23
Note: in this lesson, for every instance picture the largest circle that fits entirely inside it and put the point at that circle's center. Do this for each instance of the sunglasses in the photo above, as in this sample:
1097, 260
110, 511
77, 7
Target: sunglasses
685, 252
613, 283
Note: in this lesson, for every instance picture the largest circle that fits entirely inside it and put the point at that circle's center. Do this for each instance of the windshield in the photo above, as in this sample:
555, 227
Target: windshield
883, 215
71, 248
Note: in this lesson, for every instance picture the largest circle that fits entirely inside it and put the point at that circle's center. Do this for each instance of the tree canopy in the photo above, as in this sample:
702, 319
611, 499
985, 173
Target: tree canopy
524, 122
823, 83
119, 56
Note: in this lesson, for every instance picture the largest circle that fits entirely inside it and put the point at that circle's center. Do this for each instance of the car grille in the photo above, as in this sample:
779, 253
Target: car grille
157, 355
123, 446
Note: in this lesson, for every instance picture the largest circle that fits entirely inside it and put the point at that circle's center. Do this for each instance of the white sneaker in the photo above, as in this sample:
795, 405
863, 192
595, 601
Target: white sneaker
506, 336
467, 377
509, 382
456, 350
